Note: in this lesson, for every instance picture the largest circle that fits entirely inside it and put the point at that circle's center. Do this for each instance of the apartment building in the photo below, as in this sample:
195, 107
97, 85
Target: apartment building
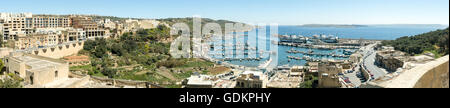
25, 23
50, 22
76, 35
38, 40
48, 37
91, 28
15, 24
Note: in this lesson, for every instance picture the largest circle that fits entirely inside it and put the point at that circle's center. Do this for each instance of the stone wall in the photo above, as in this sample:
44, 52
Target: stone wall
5, 52
436, 77
433, 74
58, 51
365, 73
389, 63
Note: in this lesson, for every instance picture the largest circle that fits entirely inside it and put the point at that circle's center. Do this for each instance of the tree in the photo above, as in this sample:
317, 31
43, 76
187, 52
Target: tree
435, 41
1, 66
109, 72
11, 81
1, 40
310, 82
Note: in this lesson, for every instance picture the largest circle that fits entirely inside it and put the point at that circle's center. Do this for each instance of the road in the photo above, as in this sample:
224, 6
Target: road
369, 62
352, 77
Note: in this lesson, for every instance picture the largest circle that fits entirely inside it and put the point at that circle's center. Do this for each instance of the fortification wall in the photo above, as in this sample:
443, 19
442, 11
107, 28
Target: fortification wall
59, 51
436, 77
433, 74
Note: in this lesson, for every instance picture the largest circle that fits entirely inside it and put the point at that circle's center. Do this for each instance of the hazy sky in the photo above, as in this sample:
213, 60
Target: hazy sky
284, 12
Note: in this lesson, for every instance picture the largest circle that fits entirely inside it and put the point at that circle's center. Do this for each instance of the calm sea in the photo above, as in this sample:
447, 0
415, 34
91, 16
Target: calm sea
381, 32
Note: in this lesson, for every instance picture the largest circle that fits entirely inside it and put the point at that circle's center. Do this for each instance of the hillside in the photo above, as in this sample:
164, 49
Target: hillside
435, 42
169, 21
189, 22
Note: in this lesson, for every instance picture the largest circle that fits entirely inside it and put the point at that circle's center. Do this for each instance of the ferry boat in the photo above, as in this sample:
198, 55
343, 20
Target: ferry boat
348, 52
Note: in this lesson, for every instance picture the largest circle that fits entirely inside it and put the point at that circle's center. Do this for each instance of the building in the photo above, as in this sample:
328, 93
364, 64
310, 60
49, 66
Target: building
313, 69
76, 35
91, 28
25, 23
355, 58
14, 24
107, 24
50, 22
391, 60
31, 41
328, 75
287, 78
198, 81
297, 71
251, 79
5, 51
36, 70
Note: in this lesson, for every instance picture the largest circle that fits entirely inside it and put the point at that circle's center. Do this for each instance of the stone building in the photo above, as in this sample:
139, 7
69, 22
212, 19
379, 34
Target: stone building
328, 75
36, 70
251, 79
297, 71
198, 81
391, 60
313, 68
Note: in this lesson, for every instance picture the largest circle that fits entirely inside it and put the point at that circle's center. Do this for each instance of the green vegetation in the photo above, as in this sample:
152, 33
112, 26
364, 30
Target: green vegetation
139, 56
1, 41
435, 42
12, 81
190, 23
2, 65
310, 82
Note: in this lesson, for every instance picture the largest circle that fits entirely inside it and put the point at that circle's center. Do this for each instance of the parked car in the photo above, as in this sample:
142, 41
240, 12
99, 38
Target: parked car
347, 81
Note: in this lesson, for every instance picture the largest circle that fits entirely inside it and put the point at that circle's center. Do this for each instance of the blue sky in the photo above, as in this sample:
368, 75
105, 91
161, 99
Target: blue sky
284, 12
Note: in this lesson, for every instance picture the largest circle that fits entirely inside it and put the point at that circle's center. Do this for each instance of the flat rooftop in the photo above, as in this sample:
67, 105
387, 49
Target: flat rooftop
37, 64
199, 80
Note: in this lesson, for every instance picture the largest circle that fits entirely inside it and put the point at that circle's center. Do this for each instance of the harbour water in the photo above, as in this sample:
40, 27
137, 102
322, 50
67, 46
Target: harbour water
250, 50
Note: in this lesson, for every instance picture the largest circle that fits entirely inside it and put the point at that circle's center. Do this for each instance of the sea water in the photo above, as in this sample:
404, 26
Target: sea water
375, 32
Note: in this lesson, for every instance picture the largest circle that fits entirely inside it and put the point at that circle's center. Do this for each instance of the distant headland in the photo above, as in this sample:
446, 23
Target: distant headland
334, 25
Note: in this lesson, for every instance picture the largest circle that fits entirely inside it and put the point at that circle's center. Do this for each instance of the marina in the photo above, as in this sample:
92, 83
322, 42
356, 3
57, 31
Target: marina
292, 50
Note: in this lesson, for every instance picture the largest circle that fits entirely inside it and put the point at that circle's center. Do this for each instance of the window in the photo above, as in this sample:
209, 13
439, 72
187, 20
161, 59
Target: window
31, 79
56, 73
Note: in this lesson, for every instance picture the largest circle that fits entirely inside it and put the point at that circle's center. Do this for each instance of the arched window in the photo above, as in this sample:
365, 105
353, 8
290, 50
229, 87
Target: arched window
56, 73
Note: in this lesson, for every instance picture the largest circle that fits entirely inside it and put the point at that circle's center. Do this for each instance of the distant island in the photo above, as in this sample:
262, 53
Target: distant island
334, 25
